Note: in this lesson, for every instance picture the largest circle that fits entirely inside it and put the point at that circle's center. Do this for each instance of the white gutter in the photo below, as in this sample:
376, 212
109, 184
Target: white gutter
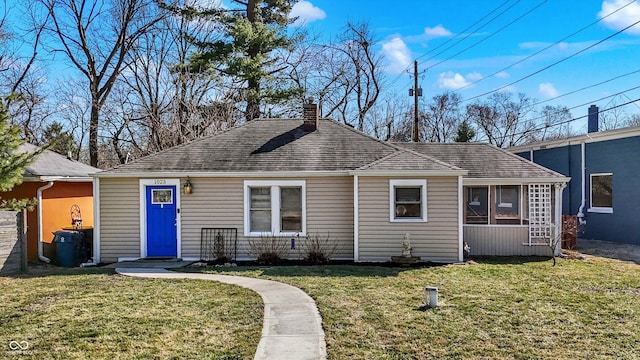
584, 199
40, 234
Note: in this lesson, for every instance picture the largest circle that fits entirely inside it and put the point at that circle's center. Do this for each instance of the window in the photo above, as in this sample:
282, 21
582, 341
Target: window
291, 209
260, 209
161, 196
274, 208
601, 193
407, 200
507, 204
477, 205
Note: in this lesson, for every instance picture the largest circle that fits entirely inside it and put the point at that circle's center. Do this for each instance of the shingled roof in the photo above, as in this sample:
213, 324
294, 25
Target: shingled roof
50, 165
483, 160
277, 145
283, 145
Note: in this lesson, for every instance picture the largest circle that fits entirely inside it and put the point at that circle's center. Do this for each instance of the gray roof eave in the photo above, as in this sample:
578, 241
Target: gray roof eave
409, 172
514, 181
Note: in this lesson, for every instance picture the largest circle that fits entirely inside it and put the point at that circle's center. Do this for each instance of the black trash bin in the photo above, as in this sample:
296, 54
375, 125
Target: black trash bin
68, 248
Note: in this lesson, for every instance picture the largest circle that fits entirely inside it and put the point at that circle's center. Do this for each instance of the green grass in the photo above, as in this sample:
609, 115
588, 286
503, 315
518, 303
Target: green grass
495, 309
95, 314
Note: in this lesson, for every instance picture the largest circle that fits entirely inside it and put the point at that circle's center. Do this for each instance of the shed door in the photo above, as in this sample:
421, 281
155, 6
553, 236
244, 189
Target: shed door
161, 219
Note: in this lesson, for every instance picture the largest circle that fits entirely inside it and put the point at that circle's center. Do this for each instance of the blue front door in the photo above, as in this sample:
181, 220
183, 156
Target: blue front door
162, 220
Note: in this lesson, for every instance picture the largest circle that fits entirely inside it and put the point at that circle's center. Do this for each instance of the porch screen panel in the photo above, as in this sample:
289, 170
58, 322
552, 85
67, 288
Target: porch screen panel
540, 214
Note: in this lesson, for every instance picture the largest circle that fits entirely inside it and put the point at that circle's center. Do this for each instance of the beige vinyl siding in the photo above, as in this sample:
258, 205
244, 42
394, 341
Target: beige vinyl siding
330, 211
501, 241
214, 203
119, 219
434, 240
218, 202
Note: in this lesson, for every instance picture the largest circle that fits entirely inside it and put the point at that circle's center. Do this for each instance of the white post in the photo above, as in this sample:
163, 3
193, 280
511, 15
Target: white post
431, 297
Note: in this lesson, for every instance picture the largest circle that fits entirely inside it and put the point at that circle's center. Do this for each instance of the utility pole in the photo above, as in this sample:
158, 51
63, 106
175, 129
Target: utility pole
415, 92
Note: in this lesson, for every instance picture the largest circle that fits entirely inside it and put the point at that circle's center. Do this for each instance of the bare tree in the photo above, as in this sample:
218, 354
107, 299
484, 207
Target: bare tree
554, 123
345, 75
501, 120
441, 118
96, 36
19, 75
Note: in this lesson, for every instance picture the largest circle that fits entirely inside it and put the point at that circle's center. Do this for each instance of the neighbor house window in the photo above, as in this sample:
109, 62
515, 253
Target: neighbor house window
601, 193
408, 200
274, 208
477, 208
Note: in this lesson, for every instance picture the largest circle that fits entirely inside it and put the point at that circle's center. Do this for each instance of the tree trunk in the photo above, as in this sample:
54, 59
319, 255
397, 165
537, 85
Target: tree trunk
93, 133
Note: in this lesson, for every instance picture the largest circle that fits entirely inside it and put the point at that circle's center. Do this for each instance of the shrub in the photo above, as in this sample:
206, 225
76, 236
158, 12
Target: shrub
268, 249
319, 249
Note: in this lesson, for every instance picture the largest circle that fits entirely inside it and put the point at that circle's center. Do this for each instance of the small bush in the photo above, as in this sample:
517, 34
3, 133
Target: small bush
319, 249
268, 249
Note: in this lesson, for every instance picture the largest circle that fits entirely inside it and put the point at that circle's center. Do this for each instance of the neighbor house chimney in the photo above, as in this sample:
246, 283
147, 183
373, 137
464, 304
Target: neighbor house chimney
592, 125
310, 115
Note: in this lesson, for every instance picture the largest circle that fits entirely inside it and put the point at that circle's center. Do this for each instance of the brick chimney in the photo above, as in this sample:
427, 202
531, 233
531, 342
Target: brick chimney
310, 115
592, 124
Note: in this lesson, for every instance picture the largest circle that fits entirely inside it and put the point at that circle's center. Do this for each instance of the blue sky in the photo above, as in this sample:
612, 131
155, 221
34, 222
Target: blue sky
514, 30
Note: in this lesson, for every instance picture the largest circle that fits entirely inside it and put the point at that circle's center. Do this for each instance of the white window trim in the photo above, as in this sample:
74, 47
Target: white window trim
275, 186
422, 183
597, 209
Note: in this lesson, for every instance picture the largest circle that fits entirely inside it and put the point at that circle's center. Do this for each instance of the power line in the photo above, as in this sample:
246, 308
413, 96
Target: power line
589, 102
547, 47
574, 119
555, 63
469, 33
587, 87
490, 35
408, 67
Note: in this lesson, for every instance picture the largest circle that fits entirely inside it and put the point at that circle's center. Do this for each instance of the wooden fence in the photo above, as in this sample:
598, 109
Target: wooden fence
13, 242
569, 231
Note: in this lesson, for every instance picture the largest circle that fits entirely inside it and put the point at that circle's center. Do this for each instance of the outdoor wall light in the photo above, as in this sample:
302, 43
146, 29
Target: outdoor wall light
188, 187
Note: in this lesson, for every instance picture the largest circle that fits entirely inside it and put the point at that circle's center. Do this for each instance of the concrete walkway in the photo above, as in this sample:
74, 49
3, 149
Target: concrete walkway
292, 327
627, 252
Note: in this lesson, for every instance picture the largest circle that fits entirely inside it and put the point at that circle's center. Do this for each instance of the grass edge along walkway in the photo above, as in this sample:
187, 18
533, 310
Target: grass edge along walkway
292, 327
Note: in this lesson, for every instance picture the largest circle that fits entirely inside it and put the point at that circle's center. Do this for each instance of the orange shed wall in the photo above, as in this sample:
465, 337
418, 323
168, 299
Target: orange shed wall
56, 208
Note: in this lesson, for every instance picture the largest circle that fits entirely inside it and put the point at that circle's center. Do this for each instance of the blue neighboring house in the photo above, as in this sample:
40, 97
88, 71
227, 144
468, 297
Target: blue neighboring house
604, 167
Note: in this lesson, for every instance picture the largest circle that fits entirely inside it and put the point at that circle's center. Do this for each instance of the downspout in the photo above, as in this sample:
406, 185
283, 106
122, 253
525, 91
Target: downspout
40, 235
584, 199
356, 219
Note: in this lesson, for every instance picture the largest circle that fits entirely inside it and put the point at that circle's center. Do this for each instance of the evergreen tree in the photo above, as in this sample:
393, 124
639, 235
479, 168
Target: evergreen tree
465, 132
12, 163
253, 34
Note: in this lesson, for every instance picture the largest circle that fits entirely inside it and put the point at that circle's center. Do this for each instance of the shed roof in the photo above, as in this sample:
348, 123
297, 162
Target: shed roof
50, 164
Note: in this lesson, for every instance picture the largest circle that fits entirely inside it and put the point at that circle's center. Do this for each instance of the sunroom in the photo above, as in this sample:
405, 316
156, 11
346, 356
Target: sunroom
512, 219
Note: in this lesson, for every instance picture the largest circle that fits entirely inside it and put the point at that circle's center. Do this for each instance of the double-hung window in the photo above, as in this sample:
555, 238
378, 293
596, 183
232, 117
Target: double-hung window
407, 200
275, 208
601, 193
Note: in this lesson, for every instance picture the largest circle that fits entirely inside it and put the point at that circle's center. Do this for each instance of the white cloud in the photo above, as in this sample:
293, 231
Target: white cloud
306, 12
451, 81
563, 46
547, 90
437, 31
622, 18
397, 54
474, 76
502, 75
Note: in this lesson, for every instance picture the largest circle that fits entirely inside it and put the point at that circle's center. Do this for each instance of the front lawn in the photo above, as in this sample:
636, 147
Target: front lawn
501, 308
95, 314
